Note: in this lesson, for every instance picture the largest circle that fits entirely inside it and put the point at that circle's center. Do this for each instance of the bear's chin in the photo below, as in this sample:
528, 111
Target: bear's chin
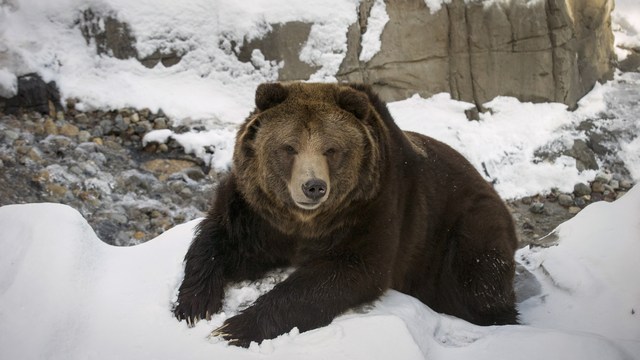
308, 205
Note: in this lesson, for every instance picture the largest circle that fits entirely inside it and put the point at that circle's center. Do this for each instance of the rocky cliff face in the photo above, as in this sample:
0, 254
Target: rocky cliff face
545, 50
541, 50
535, 50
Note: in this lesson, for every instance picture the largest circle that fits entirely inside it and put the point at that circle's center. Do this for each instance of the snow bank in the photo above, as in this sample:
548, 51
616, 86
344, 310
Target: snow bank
66, 295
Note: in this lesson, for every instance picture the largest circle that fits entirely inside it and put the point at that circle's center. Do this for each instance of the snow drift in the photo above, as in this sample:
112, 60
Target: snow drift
64, 294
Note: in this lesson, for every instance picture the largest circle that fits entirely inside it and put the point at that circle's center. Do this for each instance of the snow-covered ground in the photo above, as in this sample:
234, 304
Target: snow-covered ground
66, 295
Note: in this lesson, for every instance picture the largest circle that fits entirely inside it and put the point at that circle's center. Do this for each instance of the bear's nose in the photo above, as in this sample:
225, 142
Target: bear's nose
314, 189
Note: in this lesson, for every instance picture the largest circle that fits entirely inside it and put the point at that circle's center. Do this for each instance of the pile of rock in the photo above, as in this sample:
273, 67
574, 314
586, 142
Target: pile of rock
95, 162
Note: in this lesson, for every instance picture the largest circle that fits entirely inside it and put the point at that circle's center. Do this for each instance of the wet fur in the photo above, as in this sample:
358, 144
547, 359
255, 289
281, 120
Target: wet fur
415, 217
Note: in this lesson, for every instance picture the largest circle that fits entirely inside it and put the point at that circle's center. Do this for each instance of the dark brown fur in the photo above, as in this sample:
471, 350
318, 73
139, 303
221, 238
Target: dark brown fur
405, 212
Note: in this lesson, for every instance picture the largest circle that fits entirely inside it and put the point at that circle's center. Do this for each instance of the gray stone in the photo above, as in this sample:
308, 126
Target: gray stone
143, 127
167, 58
194, 173
186, 193
603, 177
107, 126
565, 200
121, 123
34, 95
81, 119
580, 202
581, 189
625, 184
69, 130
585, 158
89, 168
84, 136
10, 136
97, 132
597, 187
615, 184
160, 123
537, 207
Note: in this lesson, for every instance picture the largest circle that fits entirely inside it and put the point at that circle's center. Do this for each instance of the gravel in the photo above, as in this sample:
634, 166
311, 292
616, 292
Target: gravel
95, 163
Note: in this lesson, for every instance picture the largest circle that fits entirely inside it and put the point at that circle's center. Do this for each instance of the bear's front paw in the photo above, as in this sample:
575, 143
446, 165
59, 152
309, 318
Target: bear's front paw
241, 329
197, 306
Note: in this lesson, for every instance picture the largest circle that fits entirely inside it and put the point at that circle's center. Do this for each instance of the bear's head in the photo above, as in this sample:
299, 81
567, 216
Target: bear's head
308, 149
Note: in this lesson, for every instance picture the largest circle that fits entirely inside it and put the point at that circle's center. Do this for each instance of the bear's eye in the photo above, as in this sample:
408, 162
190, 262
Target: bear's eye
330, 151
290, 150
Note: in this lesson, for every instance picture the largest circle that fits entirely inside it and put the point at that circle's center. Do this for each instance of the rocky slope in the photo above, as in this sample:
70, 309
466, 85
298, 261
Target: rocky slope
95, 162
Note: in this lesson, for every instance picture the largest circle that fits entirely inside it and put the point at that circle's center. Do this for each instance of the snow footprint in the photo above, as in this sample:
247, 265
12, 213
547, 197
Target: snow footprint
453, 337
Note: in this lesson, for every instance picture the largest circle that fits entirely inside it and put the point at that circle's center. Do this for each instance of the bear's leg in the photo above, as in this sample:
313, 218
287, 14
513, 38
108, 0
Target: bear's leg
214, 259
479, 285
309, 298
223, 250
201, 292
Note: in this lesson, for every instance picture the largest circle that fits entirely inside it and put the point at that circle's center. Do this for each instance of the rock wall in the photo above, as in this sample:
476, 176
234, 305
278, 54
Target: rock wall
544, 50
535, 50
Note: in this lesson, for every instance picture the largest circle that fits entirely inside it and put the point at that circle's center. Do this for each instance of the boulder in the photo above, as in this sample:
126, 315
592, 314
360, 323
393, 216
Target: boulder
34, 95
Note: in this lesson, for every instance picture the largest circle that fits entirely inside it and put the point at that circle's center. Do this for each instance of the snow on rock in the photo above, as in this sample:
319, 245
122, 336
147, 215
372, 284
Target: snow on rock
371, 42
435, 5
215, 147
66, 295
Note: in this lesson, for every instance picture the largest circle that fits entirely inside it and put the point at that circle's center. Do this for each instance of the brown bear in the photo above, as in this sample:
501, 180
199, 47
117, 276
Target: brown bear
323, 180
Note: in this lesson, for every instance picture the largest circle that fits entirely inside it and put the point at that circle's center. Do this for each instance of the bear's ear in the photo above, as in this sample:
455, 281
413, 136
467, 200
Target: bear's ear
269, 95
353, 101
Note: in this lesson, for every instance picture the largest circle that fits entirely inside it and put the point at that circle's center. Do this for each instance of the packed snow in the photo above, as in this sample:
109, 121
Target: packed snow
64, 294
67, 295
